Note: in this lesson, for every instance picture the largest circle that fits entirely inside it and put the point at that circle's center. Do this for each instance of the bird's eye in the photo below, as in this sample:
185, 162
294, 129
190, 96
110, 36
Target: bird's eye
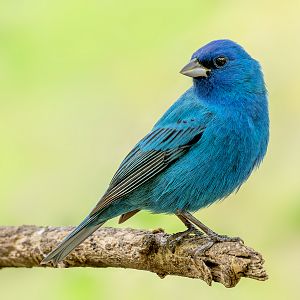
220, 61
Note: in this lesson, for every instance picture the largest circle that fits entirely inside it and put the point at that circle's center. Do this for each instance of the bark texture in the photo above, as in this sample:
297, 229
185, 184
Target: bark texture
26, 246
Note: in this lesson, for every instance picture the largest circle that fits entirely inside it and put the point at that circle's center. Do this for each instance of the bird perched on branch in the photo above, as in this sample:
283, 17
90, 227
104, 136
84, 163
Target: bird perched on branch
200, 151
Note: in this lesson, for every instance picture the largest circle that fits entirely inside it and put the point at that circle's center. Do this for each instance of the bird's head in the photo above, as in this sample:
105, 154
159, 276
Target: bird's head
222, 67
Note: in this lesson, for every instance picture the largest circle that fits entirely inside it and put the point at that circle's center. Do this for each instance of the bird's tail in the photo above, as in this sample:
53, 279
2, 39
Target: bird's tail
71, 241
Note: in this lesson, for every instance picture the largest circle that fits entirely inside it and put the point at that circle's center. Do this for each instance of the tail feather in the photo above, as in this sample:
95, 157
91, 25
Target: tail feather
76, 237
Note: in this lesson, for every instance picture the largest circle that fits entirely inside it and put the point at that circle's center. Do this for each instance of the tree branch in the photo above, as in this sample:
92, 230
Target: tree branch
227, 262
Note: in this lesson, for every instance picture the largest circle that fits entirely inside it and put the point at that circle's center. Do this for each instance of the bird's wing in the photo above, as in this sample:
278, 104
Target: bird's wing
153, 154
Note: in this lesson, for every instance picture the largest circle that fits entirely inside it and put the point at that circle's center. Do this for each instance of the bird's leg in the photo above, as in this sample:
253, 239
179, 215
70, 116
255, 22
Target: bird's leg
210, 233
190, 227
176, 238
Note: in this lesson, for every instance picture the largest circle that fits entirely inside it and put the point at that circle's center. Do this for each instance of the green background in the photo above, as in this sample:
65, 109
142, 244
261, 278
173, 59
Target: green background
82, 81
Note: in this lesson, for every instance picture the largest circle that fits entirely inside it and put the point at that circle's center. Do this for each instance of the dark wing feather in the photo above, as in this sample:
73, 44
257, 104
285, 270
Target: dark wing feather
153, 154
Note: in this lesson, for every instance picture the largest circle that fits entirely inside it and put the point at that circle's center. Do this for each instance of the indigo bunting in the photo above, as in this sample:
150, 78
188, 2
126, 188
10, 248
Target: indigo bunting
200, 151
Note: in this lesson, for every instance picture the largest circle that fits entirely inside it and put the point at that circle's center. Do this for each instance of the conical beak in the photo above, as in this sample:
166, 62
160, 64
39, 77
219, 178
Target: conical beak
195, 69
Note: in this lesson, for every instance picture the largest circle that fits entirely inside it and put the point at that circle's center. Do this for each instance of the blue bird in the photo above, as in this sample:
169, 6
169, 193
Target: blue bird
200, 151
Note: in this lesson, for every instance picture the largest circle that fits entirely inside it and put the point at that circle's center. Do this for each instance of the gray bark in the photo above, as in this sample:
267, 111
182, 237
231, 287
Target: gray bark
227, 262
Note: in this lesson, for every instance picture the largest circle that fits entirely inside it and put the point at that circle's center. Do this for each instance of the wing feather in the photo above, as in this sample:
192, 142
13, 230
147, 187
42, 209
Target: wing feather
153, 154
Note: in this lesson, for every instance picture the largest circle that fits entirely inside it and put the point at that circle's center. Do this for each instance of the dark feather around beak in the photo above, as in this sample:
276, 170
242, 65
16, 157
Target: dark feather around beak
195, 69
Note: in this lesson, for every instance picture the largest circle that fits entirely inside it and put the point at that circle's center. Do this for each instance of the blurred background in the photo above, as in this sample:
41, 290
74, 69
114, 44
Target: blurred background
82, 81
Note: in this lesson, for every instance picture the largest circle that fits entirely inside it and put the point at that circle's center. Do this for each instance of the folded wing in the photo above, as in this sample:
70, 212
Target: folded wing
153, 154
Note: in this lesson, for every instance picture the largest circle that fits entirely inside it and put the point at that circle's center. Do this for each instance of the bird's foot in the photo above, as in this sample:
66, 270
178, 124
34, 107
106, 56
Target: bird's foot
176, 239
211, 237
217, 238
214, 238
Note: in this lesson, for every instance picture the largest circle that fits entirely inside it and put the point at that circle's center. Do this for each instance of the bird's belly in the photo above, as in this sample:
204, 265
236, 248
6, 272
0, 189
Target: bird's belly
208, 172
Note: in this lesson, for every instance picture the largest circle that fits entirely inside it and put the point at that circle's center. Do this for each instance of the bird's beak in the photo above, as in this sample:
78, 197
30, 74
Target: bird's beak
194, 69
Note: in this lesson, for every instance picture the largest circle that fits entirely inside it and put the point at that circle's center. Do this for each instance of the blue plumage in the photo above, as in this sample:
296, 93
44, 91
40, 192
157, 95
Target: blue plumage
201, 150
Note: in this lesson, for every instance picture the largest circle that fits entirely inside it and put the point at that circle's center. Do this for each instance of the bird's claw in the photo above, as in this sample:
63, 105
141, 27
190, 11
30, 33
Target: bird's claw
217, 238
213, 239
201, 250
176, 239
